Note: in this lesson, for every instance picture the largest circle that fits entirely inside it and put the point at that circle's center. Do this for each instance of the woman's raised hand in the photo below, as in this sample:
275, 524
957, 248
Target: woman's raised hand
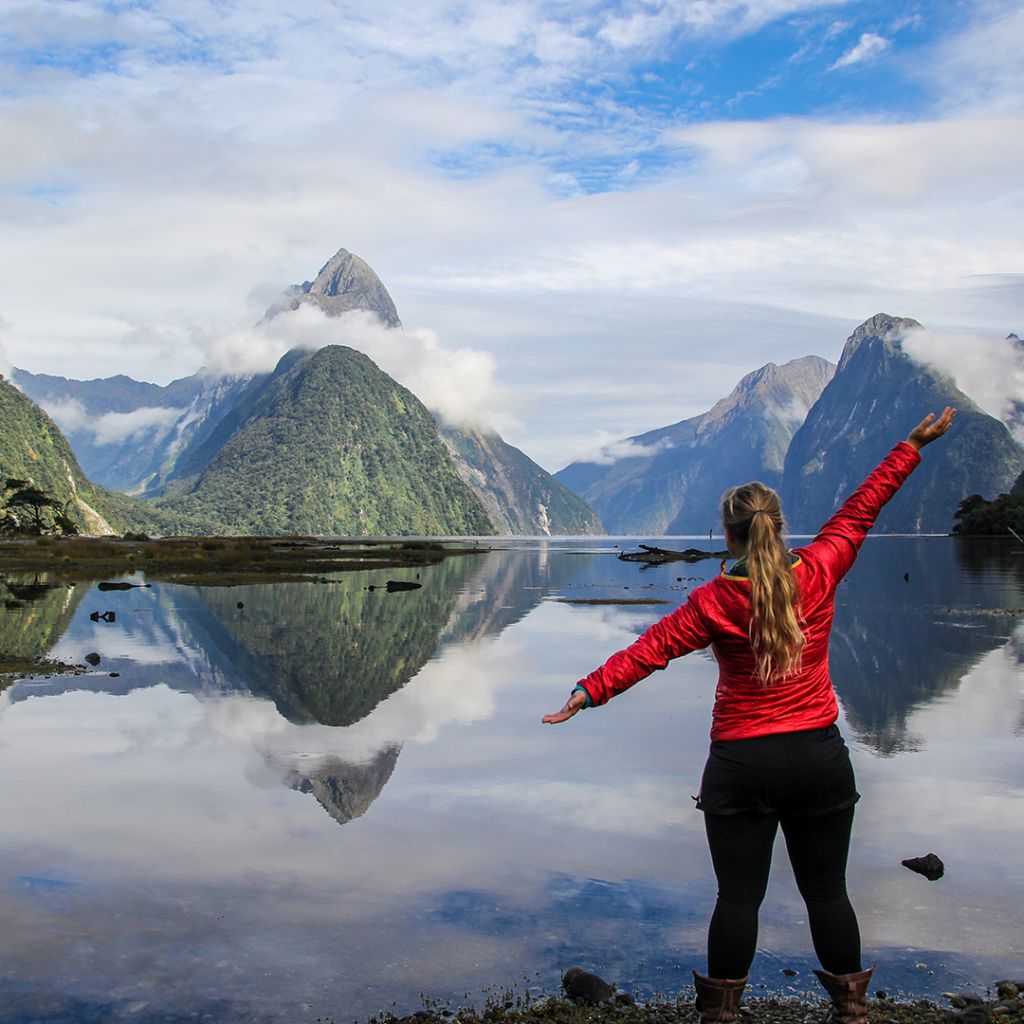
930, 428
577, 700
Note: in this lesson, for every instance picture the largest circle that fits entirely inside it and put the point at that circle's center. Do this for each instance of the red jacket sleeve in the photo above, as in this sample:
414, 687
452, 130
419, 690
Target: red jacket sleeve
839, 540
678, 633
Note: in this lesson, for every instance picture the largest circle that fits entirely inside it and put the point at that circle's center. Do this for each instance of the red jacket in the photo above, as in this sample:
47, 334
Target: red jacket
718, 614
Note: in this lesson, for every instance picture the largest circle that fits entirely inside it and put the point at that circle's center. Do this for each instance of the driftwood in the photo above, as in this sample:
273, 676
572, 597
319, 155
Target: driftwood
659, 556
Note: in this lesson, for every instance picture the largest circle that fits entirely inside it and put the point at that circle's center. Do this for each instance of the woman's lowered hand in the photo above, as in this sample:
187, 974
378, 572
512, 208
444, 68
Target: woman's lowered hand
577, 699
930, 428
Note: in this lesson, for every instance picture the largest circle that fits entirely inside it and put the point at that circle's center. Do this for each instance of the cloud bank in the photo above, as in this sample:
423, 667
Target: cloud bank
988, 369
608, 452
112, 427
460, 385
574, 189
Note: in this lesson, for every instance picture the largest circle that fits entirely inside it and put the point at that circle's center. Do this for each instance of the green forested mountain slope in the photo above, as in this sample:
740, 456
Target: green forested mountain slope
33, 448
332, 445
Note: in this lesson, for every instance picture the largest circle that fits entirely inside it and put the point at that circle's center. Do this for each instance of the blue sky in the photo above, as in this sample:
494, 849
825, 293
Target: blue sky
560, 196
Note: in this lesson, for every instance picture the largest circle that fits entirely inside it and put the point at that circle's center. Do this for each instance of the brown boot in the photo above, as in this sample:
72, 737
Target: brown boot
718, 999
848, 993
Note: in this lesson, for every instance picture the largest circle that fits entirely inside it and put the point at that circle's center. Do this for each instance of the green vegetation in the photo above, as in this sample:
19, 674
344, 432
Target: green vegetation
978, 517
333, 446
35, 453
26, 509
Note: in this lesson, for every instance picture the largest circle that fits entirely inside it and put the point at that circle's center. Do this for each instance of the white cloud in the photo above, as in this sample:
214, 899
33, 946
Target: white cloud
606, 452
987, 368
156, 180
869, 47
459, 384
979, 69
69, 415
112, 427
5, 363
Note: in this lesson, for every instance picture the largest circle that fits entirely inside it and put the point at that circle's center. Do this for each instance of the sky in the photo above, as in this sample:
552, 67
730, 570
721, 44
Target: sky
594, 216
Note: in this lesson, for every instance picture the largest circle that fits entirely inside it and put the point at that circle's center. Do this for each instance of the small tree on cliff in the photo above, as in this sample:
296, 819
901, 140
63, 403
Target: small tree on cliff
27, 509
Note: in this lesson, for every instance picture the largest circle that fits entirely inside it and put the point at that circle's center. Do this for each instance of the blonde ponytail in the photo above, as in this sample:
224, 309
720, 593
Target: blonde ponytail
754, 518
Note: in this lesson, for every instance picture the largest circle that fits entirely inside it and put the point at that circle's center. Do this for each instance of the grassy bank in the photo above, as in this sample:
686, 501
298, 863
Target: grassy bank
218, 561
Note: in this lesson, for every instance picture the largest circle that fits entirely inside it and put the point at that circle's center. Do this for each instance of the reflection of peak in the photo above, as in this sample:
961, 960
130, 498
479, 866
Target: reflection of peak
346, 790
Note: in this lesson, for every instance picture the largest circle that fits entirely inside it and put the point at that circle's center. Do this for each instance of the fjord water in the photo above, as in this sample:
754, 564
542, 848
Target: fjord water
295, 801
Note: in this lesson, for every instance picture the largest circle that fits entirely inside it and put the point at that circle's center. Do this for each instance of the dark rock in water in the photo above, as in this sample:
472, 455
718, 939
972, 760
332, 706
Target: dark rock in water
93, 658
241, 604
103, 616
789, 972
1008, 989
393, 585
107, 585
114, 675
929, 865
587, 987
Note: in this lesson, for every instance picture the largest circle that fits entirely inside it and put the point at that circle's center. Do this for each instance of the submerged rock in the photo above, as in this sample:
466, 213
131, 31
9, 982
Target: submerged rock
929, 865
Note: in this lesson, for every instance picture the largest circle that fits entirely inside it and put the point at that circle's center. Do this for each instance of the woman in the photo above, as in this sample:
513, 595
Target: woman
776, 755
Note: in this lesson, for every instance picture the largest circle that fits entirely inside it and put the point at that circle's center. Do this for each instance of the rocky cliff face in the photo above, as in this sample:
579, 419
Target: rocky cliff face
674, 482
878, 394
345, 282
521, 498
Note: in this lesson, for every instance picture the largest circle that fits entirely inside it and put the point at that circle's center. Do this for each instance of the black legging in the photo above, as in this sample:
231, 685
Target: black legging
741, 850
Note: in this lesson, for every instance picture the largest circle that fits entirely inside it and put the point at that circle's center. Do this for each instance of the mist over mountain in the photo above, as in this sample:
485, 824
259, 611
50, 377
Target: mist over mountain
878, 394
670, 480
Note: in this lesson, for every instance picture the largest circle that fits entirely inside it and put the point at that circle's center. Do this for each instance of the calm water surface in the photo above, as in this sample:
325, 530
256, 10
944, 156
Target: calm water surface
314, 800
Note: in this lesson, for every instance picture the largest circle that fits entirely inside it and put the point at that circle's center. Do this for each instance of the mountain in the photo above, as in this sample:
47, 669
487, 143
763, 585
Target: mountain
670, 480
344, 283
177, 442
520, 497
129, 435
878, 394
333, 445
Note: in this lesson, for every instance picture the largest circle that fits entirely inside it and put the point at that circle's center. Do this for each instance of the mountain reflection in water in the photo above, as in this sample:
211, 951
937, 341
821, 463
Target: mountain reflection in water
165, 857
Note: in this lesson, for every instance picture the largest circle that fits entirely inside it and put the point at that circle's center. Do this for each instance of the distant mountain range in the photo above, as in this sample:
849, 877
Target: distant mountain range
813, 431
325, 443
669, 481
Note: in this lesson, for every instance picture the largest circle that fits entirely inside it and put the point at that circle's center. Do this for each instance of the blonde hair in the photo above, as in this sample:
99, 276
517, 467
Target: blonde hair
753, 516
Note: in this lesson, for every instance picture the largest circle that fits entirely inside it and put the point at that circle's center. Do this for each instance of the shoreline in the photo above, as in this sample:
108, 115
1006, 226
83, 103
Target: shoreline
1002, 1004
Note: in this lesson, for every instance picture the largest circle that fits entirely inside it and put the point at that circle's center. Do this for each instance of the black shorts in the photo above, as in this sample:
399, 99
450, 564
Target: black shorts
790, 773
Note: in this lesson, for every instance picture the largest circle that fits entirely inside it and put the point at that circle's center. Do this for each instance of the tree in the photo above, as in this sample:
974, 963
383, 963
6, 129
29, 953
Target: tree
28, 509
